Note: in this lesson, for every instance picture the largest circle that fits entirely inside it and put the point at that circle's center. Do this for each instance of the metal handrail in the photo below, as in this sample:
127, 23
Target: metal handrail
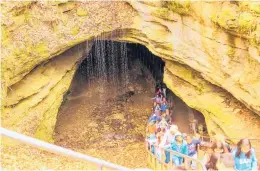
175, 153
257, 149
251, 139
59, 150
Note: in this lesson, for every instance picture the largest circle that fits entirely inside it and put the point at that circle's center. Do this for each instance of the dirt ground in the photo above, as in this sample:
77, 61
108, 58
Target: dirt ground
108, 121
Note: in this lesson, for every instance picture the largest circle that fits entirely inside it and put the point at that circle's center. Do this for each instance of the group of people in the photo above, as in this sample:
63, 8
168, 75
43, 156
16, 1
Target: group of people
162, 134
219, 155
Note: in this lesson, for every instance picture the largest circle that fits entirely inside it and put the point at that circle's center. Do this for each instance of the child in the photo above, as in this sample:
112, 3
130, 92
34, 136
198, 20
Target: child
179, 145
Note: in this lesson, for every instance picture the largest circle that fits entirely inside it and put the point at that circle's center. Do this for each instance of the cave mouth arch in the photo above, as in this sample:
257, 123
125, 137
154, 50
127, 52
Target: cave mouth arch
109, 101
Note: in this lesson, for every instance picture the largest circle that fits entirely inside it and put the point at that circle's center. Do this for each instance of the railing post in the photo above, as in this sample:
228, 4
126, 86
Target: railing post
171, 161
171, 164
198, 151
161, 157
155, 158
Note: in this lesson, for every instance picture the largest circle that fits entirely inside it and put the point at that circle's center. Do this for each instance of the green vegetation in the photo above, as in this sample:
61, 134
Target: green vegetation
181, 7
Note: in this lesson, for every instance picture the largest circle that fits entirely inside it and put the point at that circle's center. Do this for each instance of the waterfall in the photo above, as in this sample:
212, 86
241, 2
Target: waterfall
107, 63
124, 64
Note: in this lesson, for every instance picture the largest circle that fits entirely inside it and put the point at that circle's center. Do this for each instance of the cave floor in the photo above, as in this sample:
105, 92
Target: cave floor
106, 121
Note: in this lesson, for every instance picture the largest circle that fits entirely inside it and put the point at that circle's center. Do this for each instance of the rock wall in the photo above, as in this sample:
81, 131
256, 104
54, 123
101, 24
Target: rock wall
223, 113
32, 104
211, 48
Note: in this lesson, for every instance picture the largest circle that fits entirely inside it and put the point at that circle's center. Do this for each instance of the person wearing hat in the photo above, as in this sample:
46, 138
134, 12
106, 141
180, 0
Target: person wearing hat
179, 145
168, 137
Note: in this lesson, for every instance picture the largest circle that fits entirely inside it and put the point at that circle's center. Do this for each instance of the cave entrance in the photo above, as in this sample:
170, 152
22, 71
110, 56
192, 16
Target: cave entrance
105, 111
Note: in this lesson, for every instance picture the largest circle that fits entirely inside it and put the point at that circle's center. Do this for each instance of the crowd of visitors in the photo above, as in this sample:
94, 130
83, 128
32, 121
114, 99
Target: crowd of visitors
163, 135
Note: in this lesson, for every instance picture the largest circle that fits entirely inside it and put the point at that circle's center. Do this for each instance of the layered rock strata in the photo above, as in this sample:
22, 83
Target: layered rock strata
210, 48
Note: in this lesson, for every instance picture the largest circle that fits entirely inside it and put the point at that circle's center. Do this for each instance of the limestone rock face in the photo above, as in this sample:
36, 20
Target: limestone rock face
211, 50
223, 113
33, 103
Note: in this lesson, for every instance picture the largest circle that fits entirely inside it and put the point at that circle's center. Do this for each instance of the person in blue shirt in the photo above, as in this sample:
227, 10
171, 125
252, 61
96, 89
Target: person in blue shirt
192, 149
244, 156
157, 108
152, 140
152, 118
179, 145
157, 99
164, 106
168, 137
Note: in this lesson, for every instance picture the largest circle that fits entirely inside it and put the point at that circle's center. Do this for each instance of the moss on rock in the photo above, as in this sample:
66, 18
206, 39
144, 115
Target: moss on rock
181, 7
246, 22
82, 12
75, 30
236, 19
162, 13
42, 49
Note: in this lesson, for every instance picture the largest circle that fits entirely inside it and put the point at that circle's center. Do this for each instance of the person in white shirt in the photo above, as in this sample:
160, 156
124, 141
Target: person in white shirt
168, 137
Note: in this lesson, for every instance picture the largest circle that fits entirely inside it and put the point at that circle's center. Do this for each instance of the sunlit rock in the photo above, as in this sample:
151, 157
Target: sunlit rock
219, 41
